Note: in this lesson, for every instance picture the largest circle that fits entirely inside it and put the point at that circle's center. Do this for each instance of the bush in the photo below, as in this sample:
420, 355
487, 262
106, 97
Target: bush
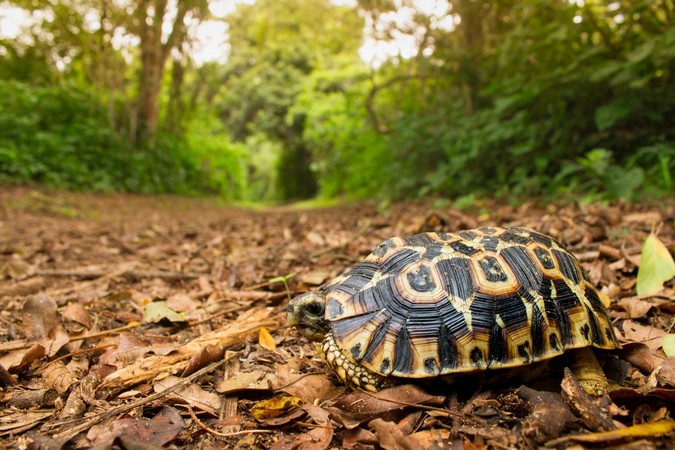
59, 137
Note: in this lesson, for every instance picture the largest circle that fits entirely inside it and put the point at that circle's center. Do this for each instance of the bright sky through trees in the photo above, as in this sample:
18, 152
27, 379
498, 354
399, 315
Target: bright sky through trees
210, 40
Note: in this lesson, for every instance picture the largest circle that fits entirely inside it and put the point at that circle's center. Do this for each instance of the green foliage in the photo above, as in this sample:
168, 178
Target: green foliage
543, 105
518, 99
59, 137
276, 45
349, 157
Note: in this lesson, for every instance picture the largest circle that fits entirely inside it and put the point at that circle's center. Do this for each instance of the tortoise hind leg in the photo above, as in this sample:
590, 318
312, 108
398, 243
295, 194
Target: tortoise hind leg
586, 368
353, 375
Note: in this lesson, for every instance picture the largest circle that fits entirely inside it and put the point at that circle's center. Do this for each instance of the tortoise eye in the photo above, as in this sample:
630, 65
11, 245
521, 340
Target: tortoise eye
315, 309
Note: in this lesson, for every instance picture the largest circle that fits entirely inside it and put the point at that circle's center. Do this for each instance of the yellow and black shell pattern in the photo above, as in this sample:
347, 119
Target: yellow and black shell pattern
442, 303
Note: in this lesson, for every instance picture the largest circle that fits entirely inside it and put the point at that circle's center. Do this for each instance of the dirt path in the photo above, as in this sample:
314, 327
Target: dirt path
163, 320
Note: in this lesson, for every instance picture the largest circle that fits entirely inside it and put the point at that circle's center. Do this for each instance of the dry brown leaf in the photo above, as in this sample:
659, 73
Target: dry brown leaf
160, 430
639, 355
192, 394
665, 373
637, 308
19, 421
315, 277
182, 302
16, 268
358, 438
19, 360
258, 380
390, 437
76, 312
311, 387
206, 356
394, 398
317, 439
652, 337
435, 438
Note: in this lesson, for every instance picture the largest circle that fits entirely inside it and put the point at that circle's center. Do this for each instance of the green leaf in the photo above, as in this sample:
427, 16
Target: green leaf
156, 311
669, 344
656, 266
607, 115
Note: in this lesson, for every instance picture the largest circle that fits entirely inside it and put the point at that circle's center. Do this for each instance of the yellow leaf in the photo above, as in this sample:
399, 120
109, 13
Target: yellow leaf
274, 407
635, 432
266, 340
656, 266
669, 345
604, 298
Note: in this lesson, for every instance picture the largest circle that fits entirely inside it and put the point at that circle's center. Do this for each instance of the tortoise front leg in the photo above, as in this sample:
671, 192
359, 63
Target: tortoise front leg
353, 375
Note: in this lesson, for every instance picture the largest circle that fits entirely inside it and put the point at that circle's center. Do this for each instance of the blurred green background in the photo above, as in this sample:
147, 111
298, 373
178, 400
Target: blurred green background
280, 100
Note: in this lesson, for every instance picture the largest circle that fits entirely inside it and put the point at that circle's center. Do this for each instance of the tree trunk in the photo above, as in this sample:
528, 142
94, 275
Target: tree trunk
154, 54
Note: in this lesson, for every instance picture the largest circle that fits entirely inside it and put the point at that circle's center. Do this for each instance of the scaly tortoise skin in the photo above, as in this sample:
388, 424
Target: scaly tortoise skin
437, 304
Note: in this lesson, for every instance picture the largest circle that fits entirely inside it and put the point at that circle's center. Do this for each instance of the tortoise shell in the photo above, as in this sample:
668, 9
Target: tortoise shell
440, 303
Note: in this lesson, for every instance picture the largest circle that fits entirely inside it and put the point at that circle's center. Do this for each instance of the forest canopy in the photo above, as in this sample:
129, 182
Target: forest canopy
496, 98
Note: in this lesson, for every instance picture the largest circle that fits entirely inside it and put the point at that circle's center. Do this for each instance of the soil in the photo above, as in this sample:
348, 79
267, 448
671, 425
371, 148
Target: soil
161, 320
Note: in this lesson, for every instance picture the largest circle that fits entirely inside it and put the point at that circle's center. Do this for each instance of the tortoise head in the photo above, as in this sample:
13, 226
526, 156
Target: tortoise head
307, 313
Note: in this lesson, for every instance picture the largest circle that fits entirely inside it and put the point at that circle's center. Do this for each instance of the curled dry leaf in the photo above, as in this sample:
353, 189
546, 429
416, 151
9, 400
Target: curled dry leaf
6, 378
19, 360
316, 439
639, 355
359, 438
390, 437
57, 376
76, 312
629, 394
42, 323
207, 355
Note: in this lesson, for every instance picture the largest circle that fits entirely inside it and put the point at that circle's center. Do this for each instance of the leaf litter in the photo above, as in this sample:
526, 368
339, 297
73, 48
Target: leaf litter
162, 321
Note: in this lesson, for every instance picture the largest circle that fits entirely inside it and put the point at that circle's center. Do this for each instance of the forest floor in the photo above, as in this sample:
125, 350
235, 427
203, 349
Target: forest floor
161, 320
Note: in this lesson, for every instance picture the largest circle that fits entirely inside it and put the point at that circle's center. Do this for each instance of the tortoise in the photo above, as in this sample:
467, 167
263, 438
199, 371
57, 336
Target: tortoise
436, 304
